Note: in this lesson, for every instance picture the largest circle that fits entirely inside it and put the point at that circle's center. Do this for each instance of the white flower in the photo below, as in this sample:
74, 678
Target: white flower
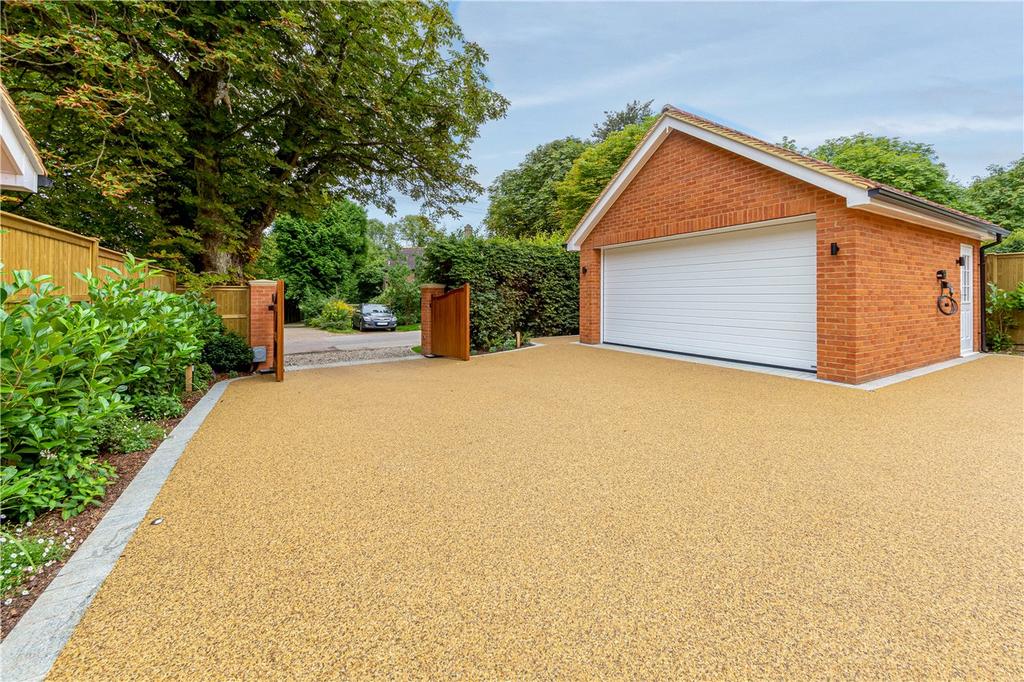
7, 602
24, 593
28, 524
48, 454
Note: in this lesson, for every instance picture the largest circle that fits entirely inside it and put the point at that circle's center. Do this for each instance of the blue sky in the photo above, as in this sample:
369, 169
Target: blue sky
950, 74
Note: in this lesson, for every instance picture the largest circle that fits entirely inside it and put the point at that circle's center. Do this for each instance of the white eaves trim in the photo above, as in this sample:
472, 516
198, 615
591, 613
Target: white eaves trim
856, 197
20, 167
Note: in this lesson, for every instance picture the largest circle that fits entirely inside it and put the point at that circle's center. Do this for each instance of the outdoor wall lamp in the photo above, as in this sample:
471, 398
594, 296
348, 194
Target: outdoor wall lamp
584, 269
834, 249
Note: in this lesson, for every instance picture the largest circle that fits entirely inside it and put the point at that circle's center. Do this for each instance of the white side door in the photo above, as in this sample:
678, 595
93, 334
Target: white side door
966, 299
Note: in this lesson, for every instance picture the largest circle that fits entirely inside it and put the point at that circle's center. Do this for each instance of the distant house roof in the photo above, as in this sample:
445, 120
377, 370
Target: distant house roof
21, 165
860, 192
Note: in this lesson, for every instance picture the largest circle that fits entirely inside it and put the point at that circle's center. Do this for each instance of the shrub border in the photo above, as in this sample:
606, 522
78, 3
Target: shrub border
31, 648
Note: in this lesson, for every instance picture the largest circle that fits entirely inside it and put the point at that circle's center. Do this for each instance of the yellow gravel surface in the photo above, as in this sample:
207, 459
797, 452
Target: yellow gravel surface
571, 512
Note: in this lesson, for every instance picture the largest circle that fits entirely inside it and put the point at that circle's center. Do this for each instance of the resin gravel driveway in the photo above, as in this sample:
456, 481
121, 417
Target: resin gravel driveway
570, 512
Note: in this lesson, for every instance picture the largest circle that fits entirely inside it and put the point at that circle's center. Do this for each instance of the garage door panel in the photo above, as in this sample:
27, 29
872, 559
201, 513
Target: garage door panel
652, 321
747, 295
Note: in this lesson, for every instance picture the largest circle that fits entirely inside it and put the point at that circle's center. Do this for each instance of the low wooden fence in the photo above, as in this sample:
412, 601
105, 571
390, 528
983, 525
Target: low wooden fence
232, 306
450, 323
1006, 271
47, 250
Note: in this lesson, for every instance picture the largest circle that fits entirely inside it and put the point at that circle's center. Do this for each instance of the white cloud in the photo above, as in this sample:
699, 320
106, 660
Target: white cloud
907, 125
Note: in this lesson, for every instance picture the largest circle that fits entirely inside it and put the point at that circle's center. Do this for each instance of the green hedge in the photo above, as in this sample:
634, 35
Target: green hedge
527, 286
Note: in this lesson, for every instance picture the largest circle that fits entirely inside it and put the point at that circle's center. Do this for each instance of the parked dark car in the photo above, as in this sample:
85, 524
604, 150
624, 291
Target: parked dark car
374, 316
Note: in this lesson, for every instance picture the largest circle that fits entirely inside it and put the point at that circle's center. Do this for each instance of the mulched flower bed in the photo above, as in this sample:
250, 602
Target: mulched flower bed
73, 532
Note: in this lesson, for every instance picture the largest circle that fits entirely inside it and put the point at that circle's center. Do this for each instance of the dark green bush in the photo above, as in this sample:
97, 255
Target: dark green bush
154, 407
228, 352
527, 286
202, 377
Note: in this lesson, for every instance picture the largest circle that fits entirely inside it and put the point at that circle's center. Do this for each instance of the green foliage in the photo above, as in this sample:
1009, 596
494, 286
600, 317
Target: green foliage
63, 369
999, 197
164, 332
523, 199
64, 481
228, 352
911, 166
23, 555
527, 286
320, 258
202, 377
185, 127
634, 113
334, 316
1001, 308
592, 171
401, 295
154, 407
122, 434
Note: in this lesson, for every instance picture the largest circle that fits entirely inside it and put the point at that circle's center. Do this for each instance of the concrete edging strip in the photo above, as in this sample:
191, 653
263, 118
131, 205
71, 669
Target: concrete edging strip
873, 385
32, 647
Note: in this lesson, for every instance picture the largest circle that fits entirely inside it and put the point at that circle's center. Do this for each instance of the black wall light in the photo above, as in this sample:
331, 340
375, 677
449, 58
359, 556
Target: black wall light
584, 269
834, 249
960, 261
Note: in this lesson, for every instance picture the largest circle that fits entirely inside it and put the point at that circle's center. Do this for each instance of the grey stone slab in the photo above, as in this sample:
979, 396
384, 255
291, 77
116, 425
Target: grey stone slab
30, 649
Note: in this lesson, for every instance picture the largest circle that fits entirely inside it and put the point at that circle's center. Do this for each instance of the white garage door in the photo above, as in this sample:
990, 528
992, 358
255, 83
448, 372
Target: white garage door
747, 295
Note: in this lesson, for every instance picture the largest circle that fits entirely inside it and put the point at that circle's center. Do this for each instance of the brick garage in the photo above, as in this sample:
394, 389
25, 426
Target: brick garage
872, 306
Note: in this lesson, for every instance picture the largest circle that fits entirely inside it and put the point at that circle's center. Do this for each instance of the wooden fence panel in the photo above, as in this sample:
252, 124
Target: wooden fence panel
449, 321
1006, 271
232, 307
46, 250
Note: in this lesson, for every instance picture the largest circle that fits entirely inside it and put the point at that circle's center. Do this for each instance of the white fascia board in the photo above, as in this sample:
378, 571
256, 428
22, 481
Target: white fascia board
855, 196
925, 220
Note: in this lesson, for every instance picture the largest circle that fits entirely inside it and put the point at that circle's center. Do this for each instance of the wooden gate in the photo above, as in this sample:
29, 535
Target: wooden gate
279, 331
449, 323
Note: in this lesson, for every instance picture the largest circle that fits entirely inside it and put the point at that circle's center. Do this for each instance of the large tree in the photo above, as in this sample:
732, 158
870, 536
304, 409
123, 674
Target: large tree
523, 200
911, 166
633, 113
195, 123
999, 197
322, 256
592, 171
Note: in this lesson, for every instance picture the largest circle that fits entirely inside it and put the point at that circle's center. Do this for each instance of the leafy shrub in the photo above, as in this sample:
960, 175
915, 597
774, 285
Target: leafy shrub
123, 434
1001, 309
528, 286
334, 316
67, 369
401, 294
22, 555
202, 377
228, 352
65, 482
154, 407
62, 371
163, 330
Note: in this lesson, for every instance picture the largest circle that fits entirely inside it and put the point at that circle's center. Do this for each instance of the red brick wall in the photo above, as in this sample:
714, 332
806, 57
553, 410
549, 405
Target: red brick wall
261, 317
876, 299
427, 294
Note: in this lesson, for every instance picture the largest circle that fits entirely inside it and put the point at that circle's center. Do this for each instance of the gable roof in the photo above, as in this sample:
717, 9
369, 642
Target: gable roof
19, 148
860, 192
